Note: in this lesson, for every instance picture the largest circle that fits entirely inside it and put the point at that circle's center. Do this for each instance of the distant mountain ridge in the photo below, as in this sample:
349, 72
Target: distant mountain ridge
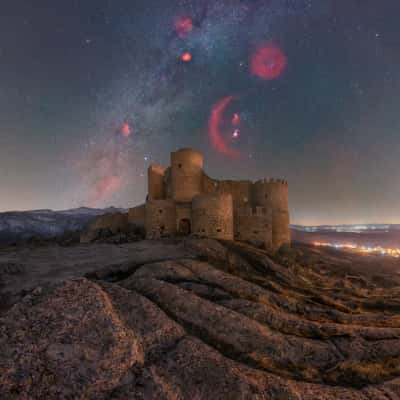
18, 226
351, 228
45, 224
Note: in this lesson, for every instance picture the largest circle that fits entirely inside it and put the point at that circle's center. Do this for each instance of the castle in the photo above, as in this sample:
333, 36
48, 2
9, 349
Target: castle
183, 200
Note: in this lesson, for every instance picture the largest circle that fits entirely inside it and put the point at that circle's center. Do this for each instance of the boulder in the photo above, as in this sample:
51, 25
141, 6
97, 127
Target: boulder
203, 319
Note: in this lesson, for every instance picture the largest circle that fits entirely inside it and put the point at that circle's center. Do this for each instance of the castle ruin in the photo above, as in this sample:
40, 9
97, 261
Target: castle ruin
183, 200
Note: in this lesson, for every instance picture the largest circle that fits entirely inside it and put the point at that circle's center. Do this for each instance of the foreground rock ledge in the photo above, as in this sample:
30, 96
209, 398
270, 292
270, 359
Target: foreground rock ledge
227, 322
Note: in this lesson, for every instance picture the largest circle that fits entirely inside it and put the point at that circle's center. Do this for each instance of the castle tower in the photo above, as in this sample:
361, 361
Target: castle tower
186, 174
212, 215
275, 193
155, 176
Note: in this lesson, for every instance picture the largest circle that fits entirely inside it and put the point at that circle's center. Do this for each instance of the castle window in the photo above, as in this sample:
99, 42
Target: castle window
218, 230
179, 165
160, 211
266, 196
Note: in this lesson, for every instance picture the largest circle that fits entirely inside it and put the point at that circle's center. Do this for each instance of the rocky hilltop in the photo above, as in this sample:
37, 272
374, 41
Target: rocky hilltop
196, 319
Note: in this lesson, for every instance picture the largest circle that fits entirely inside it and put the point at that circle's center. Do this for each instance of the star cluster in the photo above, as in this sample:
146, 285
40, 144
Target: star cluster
299, 89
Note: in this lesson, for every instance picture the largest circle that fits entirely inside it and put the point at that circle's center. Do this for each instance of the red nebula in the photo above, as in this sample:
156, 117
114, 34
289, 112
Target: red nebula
214, 127
104, 188
125, 129
186, 57
183, 26
236, 119
268, 62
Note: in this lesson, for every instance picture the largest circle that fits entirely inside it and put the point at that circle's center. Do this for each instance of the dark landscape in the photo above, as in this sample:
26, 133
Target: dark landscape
199, 200
197, 319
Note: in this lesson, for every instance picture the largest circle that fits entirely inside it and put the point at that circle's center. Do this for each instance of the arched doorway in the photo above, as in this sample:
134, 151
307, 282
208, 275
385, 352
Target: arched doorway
184, 226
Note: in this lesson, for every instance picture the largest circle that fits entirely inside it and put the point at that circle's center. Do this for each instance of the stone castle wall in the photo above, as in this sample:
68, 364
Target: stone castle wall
184, 224
241, 191
254, 226
160, 218
212, 215
136, 215
110, 224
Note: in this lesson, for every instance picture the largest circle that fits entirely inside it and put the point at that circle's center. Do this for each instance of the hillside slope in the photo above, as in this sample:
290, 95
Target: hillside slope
201, 319
16, 226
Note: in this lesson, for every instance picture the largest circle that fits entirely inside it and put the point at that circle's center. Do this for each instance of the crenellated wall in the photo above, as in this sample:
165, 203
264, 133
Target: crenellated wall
212, 215
240, 191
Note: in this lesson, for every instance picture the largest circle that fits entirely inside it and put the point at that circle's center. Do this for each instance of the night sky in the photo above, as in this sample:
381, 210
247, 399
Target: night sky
93, 91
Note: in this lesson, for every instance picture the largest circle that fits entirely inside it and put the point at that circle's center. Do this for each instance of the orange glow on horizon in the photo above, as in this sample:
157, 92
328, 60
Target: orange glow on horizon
378, 250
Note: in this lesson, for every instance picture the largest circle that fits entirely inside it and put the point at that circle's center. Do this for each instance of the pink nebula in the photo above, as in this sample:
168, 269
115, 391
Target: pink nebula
214, 124
183, 26
268, 62
236, 119
105, 187
125, 129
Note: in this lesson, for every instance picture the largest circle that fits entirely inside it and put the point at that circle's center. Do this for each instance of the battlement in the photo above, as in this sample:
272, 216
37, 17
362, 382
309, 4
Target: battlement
271, 180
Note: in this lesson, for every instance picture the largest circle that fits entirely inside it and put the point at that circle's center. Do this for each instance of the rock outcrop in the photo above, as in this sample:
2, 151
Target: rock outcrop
222, 321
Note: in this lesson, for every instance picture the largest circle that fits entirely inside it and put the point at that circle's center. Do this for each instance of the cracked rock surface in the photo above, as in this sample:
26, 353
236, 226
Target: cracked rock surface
202, 319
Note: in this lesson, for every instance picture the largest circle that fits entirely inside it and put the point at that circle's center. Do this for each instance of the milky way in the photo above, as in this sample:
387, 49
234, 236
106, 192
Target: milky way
93, 92
160, 94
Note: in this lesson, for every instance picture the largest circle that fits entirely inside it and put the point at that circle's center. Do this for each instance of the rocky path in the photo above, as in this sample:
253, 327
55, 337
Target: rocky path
200, 319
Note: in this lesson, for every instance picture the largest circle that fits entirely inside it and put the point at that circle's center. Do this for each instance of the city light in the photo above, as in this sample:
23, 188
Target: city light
378, 228
378, 250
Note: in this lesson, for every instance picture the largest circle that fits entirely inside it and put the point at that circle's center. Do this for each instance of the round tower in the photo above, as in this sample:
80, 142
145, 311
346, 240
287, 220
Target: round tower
186, 174
212, 215
155, 179
260, 195
160, 218
275, 193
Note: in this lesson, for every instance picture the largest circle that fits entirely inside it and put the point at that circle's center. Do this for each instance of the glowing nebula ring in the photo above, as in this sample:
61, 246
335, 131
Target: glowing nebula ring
268, 62
214, 123
183, 26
